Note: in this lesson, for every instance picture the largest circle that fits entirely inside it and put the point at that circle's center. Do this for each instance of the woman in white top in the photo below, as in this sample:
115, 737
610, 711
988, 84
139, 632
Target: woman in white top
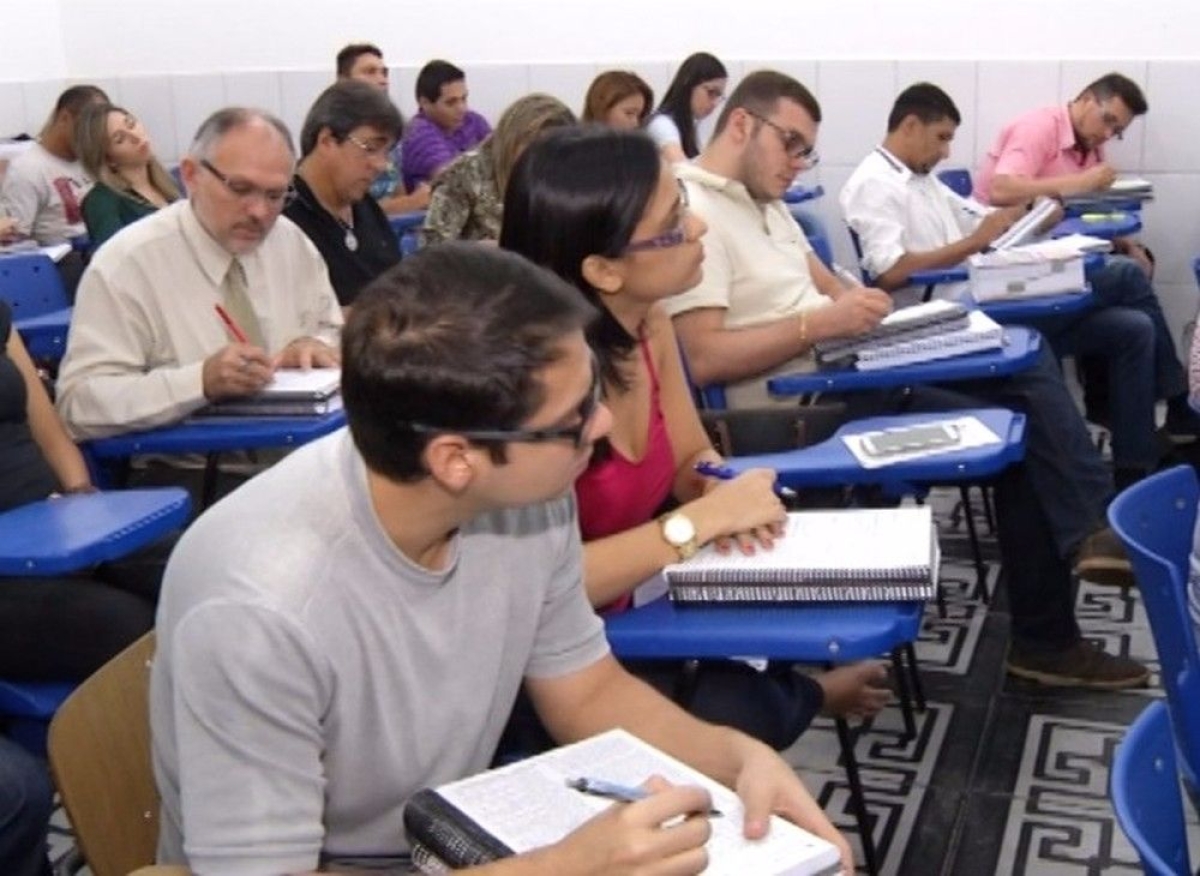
697, 89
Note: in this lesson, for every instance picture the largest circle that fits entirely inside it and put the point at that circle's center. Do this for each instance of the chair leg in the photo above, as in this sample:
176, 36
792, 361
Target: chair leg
212, 472
976, 551
858, 799
989, 509
914, 676
900, 673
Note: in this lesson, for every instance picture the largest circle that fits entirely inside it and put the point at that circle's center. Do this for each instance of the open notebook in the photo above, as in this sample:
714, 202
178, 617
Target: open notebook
528, 804
857, 555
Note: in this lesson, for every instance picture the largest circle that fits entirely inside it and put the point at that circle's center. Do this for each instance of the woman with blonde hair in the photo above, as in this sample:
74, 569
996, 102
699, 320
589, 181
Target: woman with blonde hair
117, 153
467, 202
619, 99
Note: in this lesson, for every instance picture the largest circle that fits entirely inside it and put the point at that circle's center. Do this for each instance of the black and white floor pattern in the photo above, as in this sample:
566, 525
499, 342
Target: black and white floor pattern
1003, 776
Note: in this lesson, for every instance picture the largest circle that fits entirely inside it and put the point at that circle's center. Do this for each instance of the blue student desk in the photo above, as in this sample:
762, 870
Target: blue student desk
807, 633
830, 463
218, 434
68, 533
1020, 350
405, 227
211, 437
798, 194
1106, 224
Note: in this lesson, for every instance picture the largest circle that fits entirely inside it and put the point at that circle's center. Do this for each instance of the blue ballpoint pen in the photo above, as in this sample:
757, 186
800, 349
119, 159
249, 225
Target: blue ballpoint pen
725, 473
614, 791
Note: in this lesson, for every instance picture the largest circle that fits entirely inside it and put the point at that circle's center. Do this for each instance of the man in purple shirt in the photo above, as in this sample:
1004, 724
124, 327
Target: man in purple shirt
443, 128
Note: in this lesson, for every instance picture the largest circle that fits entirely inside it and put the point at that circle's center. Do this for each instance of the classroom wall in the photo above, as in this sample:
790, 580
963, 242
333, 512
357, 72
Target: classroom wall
173, 61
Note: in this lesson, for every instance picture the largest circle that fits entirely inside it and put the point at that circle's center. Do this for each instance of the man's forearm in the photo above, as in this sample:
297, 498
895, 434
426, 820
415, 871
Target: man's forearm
728, 355
947, 256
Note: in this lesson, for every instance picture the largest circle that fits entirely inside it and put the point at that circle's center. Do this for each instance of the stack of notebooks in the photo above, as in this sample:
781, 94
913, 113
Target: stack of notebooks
859, 555
293, 393
1050, 267
921, 333
1125, 191
530, 804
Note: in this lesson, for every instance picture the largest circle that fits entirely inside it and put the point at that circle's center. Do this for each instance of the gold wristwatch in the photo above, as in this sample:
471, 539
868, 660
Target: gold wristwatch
680, 533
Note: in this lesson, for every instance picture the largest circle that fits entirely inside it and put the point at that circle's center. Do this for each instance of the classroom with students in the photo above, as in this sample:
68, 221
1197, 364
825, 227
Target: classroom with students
456, 439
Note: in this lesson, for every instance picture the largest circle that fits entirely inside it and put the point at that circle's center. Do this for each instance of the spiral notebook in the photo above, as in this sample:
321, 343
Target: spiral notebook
981, 333
528, 804
857, 555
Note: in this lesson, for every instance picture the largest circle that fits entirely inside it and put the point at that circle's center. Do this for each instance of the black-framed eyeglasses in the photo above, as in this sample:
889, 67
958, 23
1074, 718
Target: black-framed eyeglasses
246, 191
1112, 123
794, 143
371, 150
575, 434
667, 239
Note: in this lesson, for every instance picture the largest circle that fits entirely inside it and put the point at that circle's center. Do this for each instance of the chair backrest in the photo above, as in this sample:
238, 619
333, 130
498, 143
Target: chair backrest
958, 180
31, 284
100, 758
1146, 797
814, 230
1196, 269
856, 242
1155, 519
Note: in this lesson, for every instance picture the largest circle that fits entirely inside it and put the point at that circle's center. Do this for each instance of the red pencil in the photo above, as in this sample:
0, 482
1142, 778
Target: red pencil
234, 328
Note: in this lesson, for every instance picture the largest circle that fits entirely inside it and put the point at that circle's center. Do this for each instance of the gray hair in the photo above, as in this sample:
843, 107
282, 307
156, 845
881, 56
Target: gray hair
229, 119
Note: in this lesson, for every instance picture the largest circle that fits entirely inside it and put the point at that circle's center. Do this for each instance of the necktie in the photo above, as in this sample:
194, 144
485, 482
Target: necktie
237, 303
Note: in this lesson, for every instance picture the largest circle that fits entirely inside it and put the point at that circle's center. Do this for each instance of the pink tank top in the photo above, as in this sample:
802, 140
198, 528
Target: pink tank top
615, 493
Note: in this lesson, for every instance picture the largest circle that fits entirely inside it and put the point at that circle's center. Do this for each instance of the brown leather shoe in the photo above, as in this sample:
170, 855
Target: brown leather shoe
1083, 664
1102, 559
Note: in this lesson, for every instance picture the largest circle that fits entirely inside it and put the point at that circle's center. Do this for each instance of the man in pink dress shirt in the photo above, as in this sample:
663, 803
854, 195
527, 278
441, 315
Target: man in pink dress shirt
1059, 151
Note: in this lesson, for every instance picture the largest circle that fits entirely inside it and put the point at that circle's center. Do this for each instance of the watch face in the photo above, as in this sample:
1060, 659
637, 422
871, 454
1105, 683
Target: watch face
678, 529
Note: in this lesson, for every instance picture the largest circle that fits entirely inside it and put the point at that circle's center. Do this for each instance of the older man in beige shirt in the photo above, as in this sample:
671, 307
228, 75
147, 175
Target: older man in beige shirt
147, 344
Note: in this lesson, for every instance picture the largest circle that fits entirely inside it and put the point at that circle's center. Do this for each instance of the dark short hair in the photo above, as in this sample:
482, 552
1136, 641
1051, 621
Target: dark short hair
77, 97
760, 93
433, 76
454, 336
347, 57
579, 192
677, 102
346, 105
925, 101
610, 88
1118, 85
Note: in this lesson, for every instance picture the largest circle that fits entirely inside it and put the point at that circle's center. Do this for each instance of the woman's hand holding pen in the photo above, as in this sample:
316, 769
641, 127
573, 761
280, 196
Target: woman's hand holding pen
744, 510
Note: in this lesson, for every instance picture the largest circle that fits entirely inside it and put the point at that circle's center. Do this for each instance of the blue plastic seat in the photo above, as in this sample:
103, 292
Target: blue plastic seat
1155, 519
1145, 794
958, 180
814, 230
406, 227
32, 286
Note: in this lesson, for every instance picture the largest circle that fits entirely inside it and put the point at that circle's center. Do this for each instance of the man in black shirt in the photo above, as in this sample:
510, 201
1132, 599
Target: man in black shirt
344, 144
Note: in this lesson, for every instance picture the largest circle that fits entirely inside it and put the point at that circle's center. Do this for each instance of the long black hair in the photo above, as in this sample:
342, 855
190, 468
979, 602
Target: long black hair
578, 192
677, 102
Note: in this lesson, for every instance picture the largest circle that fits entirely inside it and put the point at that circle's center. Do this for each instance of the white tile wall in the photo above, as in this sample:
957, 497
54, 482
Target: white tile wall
150, 99
855, 97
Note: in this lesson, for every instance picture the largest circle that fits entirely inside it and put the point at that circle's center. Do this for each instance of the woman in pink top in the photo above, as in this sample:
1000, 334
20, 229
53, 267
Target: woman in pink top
602, 210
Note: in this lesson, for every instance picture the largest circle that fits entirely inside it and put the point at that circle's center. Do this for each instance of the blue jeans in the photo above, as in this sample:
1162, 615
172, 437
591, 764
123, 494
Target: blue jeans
26, 801
1127, 329
1046, 505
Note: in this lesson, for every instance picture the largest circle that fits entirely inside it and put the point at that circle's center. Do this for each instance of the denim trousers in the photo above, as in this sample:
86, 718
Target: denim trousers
1045, 505
1128, 330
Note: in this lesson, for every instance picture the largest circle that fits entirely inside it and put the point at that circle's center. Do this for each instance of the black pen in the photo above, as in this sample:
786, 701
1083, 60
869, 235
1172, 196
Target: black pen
613, 791
725, 473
